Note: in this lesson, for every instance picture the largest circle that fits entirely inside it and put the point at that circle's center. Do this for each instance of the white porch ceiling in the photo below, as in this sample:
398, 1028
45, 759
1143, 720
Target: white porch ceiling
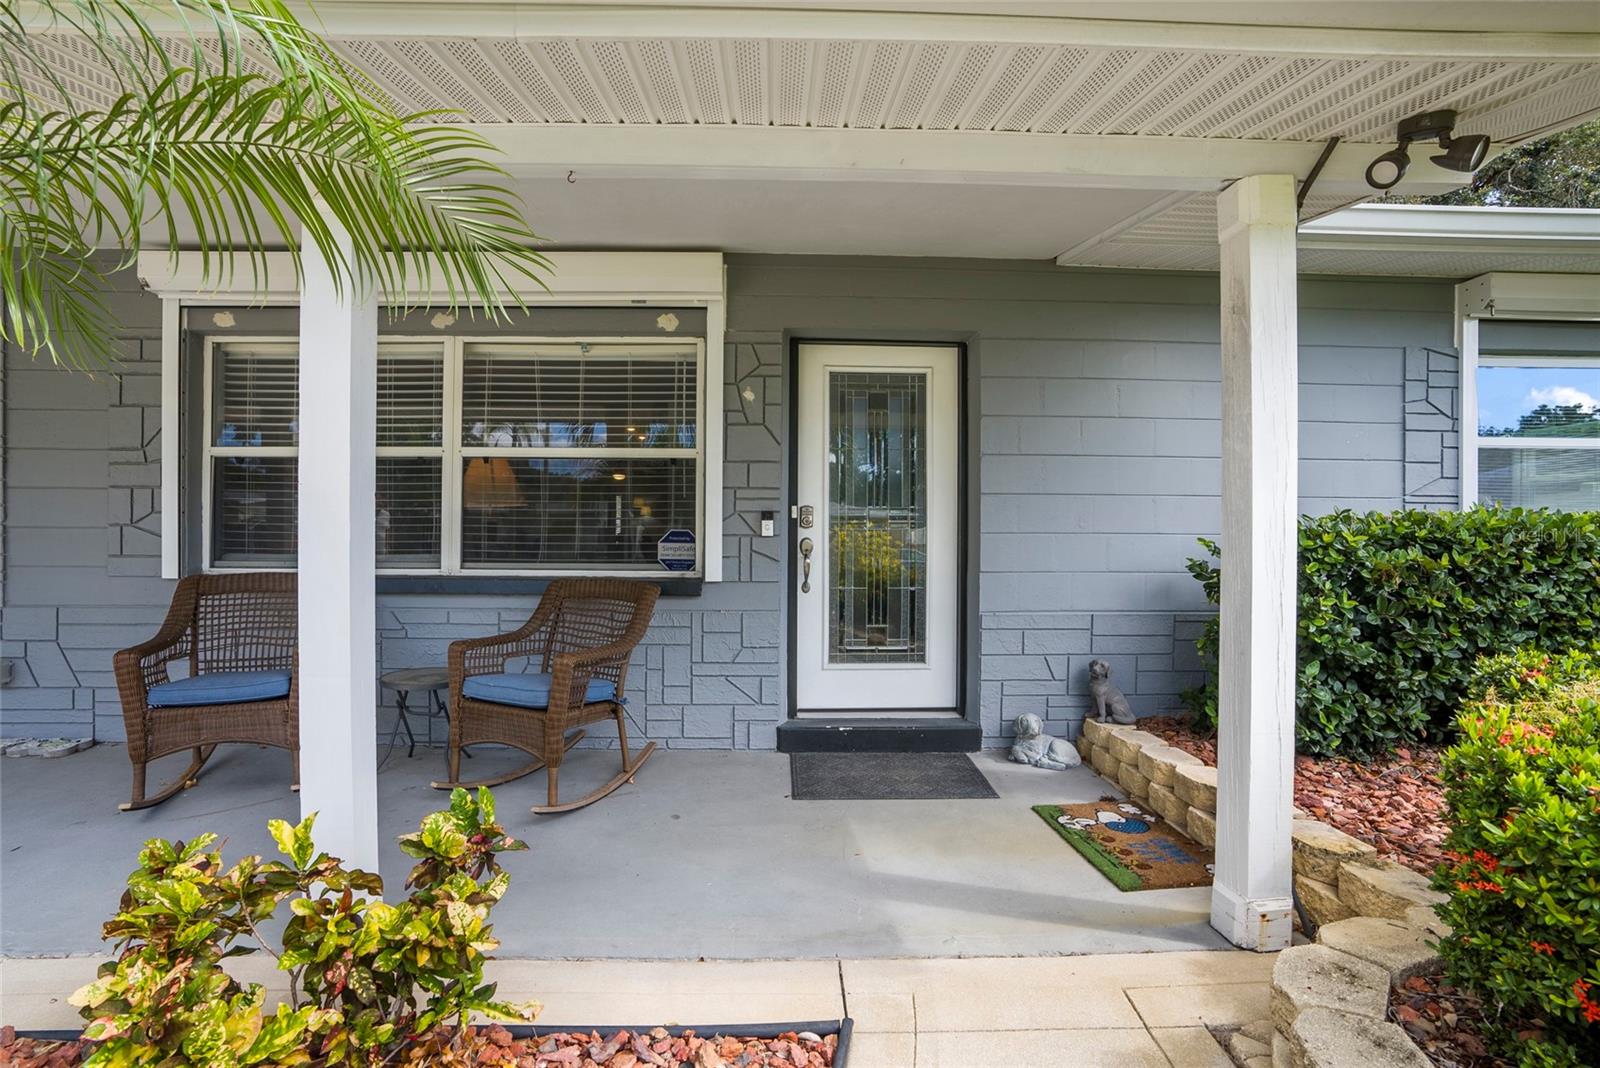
970, 85
967, 85
824, 218
1029, 222
764, 125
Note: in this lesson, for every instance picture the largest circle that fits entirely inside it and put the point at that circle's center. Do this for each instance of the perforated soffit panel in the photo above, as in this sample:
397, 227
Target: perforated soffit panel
965, 86
945, 85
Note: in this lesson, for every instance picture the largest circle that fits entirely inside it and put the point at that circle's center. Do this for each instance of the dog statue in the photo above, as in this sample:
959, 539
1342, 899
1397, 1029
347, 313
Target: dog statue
1035, 747
1109, 702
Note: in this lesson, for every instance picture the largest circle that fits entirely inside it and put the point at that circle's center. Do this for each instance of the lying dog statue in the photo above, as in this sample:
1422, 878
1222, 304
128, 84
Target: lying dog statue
1035, 747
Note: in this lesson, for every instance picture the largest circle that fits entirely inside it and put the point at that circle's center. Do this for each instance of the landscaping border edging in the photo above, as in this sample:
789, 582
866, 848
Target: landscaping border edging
844, 1027
1336, 876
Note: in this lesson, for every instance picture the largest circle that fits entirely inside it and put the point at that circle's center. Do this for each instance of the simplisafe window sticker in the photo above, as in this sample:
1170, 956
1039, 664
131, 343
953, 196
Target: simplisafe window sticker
675, 550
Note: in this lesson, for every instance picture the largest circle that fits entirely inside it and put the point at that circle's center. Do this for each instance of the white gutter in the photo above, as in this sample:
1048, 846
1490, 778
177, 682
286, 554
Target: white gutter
1429, 227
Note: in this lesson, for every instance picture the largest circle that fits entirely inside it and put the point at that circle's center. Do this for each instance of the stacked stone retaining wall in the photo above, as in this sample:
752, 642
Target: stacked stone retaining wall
1373, 920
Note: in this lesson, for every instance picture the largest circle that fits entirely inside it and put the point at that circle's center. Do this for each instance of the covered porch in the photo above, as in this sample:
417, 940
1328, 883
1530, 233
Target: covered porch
1089, 145
705, 857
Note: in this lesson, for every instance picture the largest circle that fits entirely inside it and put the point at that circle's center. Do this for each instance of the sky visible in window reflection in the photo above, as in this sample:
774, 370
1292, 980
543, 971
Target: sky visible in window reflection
1507, 394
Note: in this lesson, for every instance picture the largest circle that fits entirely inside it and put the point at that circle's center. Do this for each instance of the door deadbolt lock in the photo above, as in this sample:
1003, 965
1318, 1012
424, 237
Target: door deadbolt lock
806, 513
805, 565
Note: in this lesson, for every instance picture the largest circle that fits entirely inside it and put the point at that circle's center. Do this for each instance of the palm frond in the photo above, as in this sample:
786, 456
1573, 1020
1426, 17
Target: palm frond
209, 154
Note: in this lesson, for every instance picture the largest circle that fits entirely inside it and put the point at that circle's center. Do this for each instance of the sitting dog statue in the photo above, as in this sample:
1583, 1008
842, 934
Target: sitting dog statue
1035, 747
1109, 702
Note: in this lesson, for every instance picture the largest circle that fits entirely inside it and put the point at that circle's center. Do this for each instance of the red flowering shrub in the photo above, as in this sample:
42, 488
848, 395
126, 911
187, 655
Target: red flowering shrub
1523, 786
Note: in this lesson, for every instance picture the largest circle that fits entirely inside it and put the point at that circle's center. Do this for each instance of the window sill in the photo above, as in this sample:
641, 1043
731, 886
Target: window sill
510, 584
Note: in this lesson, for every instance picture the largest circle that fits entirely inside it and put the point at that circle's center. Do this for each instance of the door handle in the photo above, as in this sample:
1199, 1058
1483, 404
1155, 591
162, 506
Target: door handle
805, 565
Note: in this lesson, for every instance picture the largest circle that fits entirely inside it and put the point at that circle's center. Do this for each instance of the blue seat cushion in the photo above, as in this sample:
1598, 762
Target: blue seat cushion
528, 689
220, 688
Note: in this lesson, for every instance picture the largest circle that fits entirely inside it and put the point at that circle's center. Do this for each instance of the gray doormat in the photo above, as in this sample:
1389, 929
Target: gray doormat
886, 777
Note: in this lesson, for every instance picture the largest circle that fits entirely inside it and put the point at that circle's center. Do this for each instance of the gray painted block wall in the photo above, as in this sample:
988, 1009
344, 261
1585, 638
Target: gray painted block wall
82, 528
1094, 424
1095, 403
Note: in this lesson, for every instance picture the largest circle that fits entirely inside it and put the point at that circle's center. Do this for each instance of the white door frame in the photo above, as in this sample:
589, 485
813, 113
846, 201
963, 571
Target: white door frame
936, 687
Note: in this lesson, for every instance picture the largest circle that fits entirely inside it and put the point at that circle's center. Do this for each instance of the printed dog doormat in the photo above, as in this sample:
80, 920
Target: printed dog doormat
1129, 846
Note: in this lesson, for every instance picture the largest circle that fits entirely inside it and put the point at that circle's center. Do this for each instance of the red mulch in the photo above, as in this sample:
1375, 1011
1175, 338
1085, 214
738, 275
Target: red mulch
31, 1053
558, 1049
1396, 803
1445, 1022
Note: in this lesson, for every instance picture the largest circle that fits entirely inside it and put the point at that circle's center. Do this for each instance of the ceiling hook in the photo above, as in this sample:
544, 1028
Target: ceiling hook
572, 178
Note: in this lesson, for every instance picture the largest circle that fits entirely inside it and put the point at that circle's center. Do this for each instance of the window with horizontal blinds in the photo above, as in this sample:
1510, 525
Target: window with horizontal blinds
252, 448
254, 391
504, 456
576, 457
571, 397
559, 513
410, 395
254, 516
410, 486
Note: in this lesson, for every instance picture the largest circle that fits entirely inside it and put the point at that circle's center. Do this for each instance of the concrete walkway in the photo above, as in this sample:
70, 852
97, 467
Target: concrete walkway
1120, 1010
704, 856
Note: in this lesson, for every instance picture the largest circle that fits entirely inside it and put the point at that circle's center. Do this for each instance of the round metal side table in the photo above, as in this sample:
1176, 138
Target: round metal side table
404, 683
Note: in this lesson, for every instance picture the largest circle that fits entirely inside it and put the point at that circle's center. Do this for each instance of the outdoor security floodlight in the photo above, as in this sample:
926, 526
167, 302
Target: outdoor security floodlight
1464, 154
1386, 171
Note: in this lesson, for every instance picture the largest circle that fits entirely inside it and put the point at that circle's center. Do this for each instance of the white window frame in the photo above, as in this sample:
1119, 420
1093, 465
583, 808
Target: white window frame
1475, 302
578, 279
452, 452
211, 450
451, 386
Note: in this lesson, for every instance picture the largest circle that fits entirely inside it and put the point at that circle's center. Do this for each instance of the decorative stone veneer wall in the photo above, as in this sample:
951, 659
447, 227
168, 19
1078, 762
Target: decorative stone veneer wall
1433, 428
1038, 662
82, 559
82, 528
1101, 465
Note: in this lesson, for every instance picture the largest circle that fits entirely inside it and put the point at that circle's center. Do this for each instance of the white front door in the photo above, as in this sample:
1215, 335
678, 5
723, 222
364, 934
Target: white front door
877, 537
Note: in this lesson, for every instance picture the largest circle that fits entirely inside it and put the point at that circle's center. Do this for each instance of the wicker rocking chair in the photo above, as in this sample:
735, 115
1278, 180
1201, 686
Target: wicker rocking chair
238, 634
577, 647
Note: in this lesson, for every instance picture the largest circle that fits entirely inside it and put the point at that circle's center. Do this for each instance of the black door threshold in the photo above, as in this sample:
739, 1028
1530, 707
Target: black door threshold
863, 735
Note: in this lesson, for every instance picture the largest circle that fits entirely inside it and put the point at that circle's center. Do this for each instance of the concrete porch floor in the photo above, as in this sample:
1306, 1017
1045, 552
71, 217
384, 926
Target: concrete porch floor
704, 856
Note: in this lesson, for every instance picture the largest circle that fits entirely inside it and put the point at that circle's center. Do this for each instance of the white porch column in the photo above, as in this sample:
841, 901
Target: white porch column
338, 646
1251, 902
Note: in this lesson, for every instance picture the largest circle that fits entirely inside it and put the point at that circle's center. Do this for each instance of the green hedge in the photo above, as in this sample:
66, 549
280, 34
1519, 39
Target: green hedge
1523, 786
1396, 607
